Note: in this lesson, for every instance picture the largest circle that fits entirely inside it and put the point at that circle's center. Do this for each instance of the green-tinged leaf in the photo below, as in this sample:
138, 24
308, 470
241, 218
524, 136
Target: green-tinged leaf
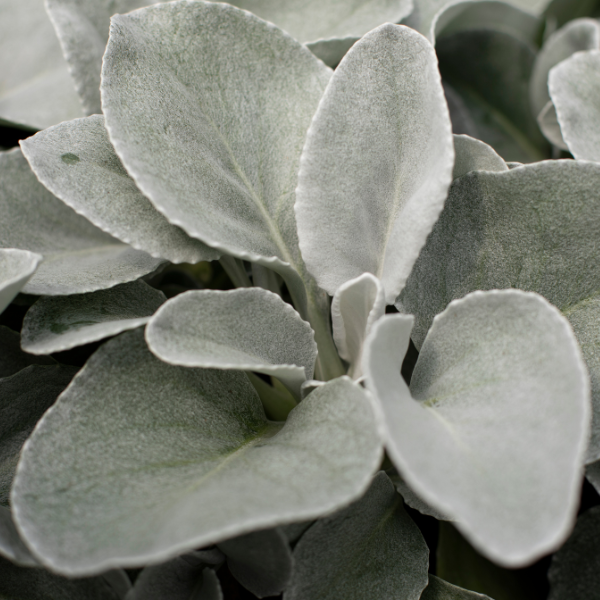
592, 472
356, 305
22, 583
377, 162
474, 155
535, 228
16, 269
57, 323
24, 397
370, 545
246, 329
412, 500
574, 85
494, 429
11, 544
581, 34
574, 573
183, 578
78, 257
77, 163
548, 122
438, 589
135, 446
558, 12
12, 358
261, 561
36, 90
494, 86
82, 28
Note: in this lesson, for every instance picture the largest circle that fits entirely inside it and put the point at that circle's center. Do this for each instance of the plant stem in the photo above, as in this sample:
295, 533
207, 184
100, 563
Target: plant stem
234, 268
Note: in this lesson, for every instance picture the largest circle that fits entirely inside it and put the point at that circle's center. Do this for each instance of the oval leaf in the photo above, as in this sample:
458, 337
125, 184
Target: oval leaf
16, 268
496, 433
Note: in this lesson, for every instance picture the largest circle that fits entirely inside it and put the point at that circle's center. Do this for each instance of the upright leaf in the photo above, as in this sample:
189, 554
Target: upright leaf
377, 162
16, 269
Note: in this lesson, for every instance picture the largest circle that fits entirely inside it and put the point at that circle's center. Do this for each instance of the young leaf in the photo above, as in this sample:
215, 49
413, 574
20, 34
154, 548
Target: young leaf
77, 163
261, 561
78, 257
574, 573
438, 589
377, 162
574, 85
12, 358
356, 305
494, 429
135, 446
246, 329
11, 544
57, 323
474, 155
534, 228
36, 90
370, 545
16, 268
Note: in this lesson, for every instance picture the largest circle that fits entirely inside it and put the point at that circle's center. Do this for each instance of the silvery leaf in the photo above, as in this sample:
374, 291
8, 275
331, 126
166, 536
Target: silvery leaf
474, 155
245, 329
494, 428
24, 397
355, 307
12, 358
370, 545
135, 446
57, 323
11, 544
77, 163
574, 573
534, 228
574, 85
82, 28
548, 122
16, 269
438, 589
592, 472
577, 35
331, 52
261, 561
78, 257
412, 500
374, 174
36, 90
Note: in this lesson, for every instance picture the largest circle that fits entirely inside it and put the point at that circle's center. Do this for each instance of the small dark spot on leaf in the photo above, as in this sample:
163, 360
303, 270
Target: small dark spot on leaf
70, 158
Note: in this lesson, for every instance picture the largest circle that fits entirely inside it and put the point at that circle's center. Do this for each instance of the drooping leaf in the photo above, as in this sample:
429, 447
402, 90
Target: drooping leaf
24, 397
574, 573
135, 446
16, 268
12, 358
474, 155
370, 546
355, 307
574, 85
78, 257
245, 329
36, 90
374, 174
494, 428
438, 589
77, 163
261, 561
57, 323
11, 544
534, 228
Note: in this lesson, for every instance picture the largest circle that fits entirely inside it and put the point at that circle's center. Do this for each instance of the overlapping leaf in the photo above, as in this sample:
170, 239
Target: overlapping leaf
438, 589
474, 155
494, 428
12, 358
11, 544
16, 268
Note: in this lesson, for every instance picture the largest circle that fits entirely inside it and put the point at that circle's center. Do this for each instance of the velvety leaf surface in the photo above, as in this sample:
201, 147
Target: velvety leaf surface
261, 561
370, 545
377, 162
438, 589
535, 228
574, 86
57, 323
574, 573
24, 397
134, 446
36, 90
355, 307
245, 329
474, 155
412, 500
77, 163
494, 428
575, 36
11, 545
12, 358
331, 52
78, 257
548, 122
16, 268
